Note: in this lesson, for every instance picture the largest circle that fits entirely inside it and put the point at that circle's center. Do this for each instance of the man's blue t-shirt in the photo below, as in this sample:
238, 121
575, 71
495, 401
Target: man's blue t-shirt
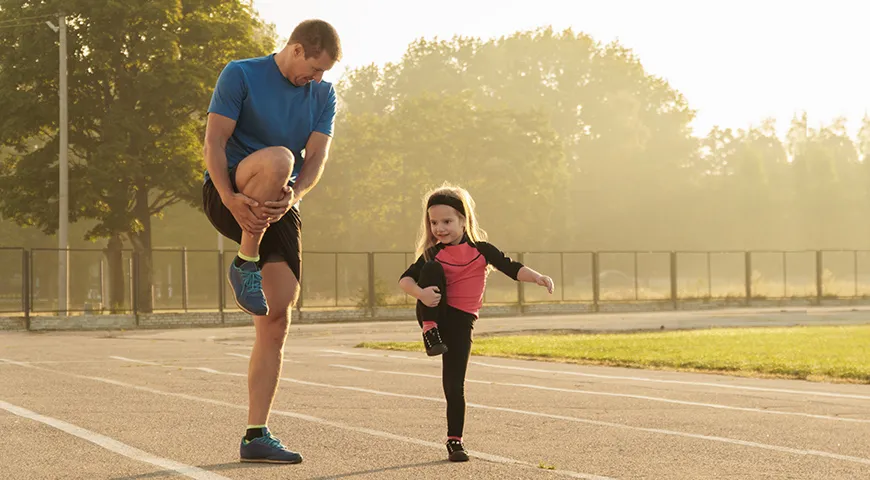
269, 110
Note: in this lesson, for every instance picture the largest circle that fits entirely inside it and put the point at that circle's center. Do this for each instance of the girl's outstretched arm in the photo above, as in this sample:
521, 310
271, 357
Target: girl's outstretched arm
526, 274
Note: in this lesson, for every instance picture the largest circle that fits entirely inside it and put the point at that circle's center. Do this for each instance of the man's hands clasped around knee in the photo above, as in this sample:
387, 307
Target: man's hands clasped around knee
244, 210
255, 218
272, 211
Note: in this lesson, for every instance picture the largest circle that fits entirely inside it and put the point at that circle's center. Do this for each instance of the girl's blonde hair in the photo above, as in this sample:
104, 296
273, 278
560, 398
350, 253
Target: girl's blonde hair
427, 240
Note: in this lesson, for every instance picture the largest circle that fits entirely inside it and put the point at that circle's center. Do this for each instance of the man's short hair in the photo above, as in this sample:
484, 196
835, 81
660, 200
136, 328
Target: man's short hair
317, 36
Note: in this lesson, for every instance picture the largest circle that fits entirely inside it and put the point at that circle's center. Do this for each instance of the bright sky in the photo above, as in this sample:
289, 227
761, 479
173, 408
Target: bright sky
736, 61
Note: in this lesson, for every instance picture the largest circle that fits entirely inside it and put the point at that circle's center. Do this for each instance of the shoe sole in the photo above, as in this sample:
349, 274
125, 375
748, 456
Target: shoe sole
458, 458
240, 305
282, 462
437, 350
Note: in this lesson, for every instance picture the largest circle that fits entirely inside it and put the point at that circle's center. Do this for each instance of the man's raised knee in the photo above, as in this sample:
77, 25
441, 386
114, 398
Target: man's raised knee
279, 161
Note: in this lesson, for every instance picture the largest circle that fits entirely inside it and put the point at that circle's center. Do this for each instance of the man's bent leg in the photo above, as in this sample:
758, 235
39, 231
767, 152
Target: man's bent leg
260, 176
264, 369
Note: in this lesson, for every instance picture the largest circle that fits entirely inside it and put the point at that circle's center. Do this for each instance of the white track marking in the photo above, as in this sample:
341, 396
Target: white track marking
618, 395
309, 418
627, 378
599, 423
113, 445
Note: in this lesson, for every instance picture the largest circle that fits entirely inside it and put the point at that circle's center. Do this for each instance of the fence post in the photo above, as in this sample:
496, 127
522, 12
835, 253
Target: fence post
25, 286
521, 300
748, 277
32, 286
709, 277
220, 284
784, 275
371, 280
184, 290
819, 287
596, 282
301, 294
103, 295
134, 284
562, 275
674, 293
855, 259
336, 279
636, 289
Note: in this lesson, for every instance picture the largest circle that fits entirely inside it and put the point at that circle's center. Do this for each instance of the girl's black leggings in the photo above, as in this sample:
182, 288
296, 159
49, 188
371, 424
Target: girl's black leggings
455, 327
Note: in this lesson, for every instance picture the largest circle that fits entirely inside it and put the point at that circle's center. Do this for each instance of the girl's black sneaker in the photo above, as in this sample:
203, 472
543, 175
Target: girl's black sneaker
456, 451
433, 343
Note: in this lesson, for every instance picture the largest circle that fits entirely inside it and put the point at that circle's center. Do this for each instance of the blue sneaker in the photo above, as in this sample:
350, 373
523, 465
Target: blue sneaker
246, 281
267, 449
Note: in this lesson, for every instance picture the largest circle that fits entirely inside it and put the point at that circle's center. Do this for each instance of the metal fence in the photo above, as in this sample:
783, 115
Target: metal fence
187, 280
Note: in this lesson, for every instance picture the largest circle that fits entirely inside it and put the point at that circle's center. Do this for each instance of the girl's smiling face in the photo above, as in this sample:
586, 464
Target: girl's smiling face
446, 224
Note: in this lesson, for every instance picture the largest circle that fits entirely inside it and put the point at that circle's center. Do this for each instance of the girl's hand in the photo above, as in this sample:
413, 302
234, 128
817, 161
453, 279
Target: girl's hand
430, 296
546, 281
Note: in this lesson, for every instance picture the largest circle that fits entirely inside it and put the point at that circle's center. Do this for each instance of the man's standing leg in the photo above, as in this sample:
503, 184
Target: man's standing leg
261, 176
264, 369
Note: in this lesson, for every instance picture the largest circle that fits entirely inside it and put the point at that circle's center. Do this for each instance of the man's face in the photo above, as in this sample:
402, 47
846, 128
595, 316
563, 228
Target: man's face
305, 70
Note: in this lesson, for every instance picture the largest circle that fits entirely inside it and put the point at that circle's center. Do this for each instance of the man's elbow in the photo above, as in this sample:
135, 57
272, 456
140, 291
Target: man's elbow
318, 156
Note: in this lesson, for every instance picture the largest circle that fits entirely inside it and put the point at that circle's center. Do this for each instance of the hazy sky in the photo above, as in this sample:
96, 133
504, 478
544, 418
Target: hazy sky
736, 61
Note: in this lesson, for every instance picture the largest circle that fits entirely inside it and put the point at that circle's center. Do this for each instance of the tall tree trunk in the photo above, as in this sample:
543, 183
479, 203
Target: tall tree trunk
115, 260
141, 241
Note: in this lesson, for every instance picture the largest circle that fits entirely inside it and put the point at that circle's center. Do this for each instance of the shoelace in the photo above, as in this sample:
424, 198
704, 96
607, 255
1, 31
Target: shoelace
268, 439
431, 337
251, 281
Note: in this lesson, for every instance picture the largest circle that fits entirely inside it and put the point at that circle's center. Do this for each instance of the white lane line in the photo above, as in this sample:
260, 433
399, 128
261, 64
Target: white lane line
617, 395
102, 360
599, 423
732, 441
130, 360
248, 357
113, 445
309, 418
621, 377
359, 369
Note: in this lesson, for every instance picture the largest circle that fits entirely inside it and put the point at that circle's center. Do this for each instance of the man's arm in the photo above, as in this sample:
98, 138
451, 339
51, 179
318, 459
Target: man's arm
316, 153
217, 132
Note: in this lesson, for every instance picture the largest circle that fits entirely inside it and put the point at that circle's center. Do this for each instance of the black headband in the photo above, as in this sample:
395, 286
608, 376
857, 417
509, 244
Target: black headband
441, 199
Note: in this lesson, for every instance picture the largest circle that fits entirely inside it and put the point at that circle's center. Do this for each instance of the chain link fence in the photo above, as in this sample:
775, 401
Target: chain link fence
189, 280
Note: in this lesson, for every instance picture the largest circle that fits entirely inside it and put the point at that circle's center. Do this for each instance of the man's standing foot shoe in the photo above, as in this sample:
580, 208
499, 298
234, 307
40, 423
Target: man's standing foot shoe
267, 449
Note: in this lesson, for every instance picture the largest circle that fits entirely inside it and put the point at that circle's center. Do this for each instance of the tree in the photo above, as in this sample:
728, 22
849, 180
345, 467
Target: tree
624, 133
828, 182
744, 192
382, 164
140, 77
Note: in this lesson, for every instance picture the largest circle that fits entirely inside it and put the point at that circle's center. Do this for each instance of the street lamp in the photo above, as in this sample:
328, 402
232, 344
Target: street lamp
63, 195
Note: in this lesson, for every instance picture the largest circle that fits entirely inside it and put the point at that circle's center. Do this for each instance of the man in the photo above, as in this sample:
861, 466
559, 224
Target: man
264, 111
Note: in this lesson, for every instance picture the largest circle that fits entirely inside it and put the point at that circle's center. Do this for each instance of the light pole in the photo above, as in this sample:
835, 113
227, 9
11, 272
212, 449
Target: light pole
63, 161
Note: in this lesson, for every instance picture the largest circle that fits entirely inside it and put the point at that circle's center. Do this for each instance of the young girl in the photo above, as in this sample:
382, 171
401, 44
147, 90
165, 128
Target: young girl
448, 280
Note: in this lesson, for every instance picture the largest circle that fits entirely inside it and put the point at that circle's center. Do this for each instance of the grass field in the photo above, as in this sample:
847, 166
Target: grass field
830, 353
